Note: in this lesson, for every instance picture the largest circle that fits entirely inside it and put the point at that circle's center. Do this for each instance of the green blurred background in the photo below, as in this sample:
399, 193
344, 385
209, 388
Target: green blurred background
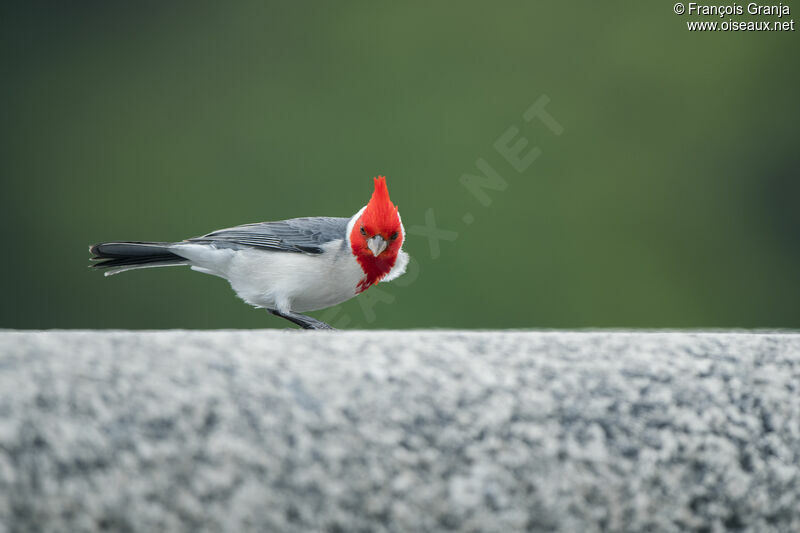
670, 200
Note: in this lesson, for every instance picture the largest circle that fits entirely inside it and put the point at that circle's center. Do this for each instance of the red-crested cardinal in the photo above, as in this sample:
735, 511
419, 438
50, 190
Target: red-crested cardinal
289, 266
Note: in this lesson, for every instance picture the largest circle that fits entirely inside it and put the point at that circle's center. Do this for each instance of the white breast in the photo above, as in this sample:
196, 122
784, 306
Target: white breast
281, 280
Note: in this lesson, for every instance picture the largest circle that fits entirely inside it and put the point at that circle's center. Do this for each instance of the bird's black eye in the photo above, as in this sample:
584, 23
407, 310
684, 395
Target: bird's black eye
363, 231
393, 236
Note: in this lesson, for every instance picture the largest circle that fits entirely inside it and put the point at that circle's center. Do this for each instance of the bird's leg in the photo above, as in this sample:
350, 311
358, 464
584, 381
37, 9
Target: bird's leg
304, 321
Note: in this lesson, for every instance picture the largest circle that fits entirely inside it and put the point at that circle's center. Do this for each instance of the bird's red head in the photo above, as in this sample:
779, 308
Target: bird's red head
377, 236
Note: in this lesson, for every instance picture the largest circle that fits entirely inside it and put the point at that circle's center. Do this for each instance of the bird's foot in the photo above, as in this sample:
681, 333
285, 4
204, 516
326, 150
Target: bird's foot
304, 321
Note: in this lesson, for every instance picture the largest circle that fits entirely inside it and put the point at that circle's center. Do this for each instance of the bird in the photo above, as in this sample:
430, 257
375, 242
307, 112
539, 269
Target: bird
287, 267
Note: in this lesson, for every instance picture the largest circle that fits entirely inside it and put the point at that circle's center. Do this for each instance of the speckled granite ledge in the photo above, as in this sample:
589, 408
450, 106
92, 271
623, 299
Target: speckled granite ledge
399, 431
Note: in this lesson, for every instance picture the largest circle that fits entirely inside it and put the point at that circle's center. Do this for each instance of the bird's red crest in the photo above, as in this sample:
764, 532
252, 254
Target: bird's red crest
380, 212
380, 218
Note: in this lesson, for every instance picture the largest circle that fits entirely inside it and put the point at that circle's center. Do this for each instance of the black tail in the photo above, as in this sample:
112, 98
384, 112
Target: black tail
122, 256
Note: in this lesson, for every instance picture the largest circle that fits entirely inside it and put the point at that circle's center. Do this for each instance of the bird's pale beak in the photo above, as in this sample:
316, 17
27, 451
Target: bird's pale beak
377, 244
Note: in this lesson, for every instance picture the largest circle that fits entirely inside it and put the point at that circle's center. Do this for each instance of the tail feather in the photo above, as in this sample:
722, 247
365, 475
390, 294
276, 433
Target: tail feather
115, 257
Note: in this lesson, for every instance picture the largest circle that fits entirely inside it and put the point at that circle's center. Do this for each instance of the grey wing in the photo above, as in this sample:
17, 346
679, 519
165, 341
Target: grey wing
301, 235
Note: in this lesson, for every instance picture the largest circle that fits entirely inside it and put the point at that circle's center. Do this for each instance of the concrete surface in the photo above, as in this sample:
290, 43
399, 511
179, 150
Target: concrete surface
399, 431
